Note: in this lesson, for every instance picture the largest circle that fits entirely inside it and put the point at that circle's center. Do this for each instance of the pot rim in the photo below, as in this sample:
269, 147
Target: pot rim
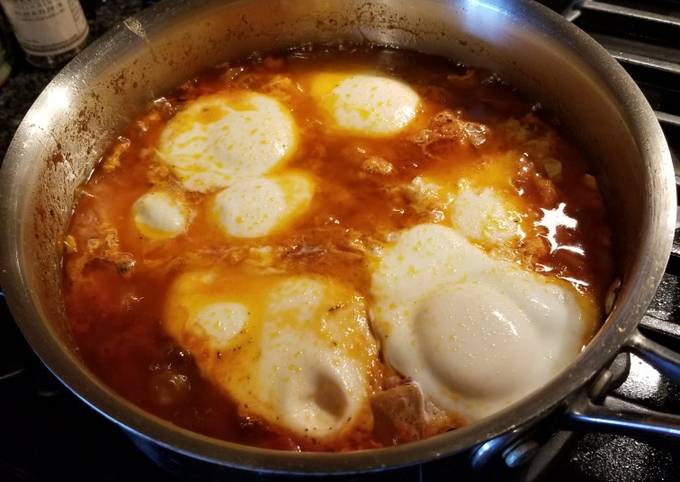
640, 288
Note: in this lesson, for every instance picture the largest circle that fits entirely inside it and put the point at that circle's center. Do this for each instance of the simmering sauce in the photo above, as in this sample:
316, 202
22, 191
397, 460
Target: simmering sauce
470, 131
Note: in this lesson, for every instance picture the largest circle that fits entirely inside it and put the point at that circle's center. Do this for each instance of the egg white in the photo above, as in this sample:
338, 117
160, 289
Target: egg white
159, 215
293, 351
256, 207
484, 215
366, 104
476, 333
220, 138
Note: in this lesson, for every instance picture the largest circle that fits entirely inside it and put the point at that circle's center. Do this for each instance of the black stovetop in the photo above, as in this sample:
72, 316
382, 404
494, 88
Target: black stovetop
47, 434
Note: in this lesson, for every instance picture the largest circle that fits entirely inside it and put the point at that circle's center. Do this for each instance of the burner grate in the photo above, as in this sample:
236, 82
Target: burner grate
644, 37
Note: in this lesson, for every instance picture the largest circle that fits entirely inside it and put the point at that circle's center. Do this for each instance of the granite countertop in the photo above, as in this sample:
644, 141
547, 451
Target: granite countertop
26, 81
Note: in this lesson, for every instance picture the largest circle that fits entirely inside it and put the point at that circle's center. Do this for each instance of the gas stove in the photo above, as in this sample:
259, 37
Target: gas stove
47, 434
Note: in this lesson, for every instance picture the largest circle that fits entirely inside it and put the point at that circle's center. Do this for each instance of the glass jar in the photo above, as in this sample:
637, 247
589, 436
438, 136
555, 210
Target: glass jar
49, 31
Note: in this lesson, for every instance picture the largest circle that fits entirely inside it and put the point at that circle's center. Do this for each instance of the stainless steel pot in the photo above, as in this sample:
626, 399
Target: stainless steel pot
105, 87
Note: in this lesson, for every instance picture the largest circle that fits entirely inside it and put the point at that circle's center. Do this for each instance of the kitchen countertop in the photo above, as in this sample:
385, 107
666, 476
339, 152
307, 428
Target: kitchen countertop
26, 81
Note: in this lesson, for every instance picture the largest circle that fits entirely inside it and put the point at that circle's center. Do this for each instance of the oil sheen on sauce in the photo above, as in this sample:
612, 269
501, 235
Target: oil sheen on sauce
116, 279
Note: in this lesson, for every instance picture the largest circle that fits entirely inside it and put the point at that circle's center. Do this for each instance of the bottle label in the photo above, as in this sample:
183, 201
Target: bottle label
47, 27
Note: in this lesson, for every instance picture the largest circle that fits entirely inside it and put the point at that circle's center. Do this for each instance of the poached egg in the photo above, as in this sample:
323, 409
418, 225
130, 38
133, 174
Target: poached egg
292, 350
259, 206
366, 104
159, 215
475, 332
224, 137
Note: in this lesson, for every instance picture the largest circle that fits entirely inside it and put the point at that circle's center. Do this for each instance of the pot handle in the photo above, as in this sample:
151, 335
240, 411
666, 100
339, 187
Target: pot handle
592, 410
666, 361
598, 411
614, 415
